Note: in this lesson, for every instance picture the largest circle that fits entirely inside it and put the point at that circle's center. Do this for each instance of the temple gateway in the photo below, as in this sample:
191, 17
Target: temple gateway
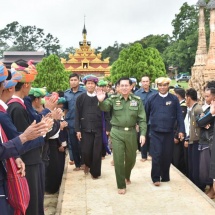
84, 61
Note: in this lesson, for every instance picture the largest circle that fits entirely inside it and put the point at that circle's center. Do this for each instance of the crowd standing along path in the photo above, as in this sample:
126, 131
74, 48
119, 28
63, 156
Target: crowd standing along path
80, 195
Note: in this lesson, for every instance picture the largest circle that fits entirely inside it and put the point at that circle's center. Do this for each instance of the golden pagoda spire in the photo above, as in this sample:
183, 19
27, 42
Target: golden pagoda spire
85, 61
84, 32
84, 45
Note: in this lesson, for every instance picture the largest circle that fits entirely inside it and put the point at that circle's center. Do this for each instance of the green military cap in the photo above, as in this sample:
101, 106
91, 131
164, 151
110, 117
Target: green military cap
37, 92
102, 83
61, 100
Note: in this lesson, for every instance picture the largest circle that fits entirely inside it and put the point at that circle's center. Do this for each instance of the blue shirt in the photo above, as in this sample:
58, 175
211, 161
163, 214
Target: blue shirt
163, 112
70, 103
145, 95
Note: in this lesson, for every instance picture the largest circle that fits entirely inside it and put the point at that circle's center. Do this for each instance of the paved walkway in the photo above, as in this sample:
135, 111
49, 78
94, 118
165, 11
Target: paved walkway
80, 195
50, 203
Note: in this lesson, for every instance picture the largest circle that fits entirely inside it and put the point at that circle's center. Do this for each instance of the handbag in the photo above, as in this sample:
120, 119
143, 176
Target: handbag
17, 186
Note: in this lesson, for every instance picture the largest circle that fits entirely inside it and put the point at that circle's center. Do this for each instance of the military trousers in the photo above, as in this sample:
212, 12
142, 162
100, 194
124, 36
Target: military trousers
124, 154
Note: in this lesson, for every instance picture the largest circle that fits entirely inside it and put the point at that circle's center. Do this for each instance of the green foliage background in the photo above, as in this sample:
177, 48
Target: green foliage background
51, 74
134, 61
15, 37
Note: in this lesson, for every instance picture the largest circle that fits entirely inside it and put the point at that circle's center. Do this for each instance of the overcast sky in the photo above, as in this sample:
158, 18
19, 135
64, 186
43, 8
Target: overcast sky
106, 21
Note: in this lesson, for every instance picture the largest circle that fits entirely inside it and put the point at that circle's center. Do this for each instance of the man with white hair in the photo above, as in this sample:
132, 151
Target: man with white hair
163, 110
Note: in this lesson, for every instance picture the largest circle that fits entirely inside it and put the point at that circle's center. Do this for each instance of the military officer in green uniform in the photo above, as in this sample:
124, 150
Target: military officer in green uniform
127, 111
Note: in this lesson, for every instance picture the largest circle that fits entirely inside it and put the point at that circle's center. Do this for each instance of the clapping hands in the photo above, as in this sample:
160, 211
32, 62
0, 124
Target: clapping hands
51, 103
57, 114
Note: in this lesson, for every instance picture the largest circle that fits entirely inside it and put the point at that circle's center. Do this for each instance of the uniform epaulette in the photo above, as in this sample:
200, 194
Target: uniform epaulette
136, 97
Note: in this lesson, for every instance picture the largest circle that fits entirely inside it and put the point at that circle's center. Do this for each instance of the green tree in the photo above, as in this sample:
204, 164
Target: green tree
65, 54
134, 61
98, 50
28, 38
182, 48
185, 22
181, 54
51, 74
113, 51
50, 44
159, 42
3, 46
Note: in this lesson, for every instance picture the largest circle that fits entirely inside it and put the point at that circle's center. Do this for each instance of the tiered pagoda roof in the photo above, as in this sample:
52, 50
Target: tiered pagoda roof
85, 61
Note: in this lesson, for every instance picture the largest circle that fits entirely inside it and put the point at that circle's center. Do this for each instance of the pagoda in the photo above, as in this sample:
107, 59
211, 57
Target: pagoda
85, 61
203, 70
209, 72
197, 79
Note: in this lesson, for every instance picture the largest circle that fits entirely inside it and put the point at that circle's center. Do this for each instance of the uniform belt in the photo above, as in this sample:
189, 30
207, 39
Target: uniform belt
124, 128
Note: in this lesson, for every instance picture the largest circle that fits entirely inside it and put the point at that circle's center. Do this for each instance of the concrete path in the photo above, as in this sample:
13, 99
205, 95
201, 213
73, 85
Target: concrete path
50, 203
80, 195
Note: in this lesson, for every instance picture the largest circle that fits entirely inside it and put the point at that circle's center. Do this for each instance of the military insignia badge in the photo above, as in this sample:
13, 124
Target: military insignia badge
169, 103
133, 103
118, 103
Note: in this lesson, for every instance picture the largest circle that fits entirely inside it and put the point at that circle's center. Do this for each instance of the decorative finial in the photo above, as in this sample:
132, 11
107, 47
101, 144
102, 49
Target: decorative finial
211, 4
84, 29
201, 3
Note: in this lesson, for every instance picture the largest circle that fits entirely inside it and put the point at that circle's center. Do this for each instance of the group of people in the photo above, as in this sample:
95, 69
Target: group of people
191, 150
168, 126
91, 111
35, 133
193, 156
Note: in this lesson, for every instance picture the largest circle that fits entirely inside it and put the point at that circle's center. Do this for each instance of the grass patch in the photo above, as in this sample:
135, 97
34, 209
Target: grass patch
183, 84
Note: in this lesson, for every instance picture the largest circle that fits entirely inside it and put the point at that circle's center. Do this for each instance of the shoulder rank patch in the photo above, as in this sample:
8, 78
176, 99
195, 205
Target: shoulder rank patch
136, 97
